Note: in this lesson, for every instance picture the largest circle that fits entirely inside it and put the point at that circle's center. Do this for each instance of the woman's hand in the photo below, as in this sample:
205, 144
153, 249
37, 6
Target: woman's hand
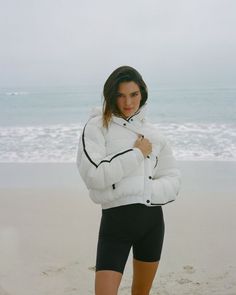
144, 145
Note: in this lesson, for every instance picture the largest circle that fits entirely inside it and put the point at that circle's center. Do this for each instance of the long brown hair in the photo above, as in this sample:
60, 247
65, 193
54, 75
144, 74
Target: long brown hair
110, 89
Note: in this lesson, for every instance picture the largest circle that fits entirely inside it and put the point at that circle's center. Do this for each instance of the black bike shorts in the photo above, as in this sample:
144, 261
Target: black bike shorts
134, 225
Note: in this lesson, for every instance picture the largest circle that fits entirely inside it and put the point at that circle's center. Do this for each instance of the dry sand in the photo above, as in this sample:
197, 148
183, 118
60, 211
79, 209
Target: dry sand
48, 243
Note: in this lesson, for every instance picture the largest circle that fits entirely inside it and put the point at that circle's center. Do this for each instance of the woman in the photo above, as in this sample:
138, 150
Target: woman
129, 169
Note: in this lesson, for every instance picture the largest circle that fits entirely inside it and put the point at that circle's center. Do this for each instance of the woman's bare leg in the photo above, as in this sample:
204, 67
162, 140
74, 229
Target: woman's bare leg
143, 276
107, 282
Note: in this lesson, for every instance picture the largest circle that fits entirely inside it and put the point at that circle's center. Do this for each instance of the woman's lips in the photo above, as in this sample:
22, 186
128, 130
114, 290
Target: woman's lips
127, 109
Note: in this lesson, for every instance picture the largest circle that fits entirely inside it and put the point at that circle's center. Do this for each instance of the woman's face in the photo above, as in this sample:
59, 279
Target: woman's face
128, 98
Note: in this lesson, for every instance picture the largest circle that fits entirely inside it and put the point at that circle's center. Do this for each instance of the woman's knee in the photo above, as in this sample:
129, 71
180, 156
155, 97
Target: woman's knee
107, 282
143, 276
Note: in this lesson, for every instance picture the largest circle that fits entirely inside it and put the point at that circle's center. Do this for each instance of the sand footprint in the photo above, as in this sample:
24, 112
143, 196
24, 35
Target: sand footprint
70, 289
183, 281
92, 268
189, 269
53, 270
163, 292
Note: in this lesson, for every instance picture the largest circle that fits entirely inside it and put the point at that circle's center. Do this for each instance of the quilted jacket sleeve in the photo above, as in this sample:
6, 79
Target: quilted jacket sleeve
167, 179
99, 170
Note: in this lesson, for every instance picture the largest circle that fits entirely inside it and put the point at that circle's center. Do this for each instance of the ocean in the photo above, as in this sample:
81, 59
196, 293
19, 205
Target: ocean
43, 124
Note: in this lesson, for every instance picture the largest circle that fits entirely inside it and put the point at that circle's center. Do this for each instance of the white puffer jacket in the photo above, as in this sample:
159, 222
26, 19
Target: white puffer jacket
116, 173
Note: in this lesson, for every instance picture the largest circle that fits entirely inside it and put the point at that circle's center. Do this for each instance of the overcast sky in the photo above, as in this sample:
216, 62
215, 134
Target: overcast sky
73, 42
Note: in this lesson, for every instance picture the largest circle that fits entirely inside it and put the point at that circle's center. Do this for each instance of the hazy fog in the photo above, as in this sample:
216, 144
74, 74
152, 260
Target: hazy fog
73, 42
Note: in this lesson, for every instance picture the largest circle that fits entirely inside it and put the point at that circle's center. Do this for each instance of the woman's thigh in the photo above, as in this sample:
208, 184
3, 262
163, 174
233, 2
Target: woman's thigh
126, 226
148, 247
114, 242
112, 254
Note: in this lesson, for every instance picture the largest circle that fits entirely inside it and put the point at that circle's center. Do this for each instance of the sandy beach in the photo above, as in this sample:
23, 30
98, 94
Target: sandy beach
49, 228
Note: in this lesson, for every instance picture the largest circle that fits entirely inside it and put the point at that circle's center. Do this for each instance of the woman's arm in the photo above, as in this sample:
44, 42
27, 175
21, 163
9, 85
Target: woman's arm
96, 168
167, 179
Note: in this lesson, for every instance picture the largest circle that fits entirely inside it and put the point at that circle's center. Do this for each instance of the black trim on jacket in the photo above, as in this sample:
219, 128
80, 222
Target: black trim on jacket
103, 161
133, 115
156, 162
161, 203
127, 119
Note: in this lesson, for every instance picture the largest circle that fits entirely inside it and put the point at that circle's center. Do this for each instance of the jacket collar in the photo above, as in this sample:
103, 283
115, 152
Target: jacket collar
137, 119
134, 122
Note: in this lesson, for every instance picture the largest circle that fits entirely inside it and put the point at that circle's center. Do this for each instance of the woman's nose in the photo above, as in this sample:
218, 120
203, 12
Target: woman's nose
128, 101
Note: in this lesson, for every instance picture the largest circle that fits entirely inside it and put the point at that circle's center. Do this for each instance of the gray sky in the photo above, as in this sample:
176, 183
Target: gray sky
73, 42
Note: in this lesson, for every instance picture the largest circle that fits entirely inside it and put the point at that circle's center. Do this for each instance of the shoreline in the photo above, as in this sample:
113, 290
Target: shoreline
66, 175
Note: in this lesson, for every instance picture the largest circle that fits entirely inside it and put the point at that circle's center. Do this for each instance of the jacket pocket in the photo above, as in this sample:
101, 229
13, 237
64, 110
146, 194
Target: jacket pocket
129, 186
163, 196
102, 196
154, 160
